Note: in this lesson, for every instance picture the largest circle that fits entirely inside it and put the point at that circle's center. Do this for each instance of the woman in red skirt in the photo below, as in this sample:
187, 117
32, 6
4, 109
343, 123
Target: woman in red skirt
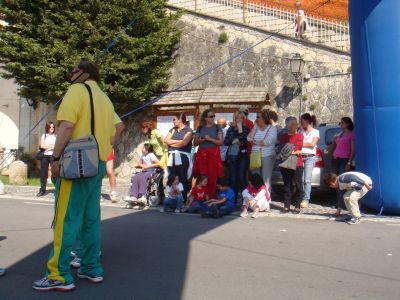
207, 160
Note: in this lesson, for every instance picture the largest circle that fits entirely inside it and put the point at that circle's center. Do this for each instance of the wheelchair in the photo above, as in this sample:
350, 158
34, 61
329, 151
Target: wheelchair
155, 188
154, 192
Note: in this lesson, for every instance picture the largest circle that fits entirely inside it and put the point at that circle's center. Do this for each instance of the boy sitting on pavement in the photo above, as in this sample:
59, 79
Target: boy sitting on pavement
356, 185
224, 204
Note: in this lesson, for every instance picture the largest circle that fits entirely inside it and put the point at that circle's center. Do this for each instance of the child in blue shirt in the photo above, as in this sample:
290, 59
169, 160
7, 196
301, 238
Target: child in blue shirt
224, 204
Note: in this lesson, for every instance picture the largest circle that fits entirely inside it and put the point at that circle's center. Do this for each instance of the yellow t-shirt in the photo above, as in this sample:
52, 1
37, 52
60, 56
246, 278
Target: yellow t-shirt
75, 108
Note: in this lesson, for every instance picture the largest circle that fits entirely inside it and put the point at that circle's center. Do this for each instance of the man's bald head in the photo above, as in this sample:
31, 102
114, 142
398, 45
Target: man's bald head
222, 122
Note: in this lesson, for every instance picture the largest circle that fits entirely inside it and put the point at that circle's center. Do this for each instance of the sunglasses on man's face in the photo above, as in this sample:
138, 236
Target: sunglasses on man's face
211, 117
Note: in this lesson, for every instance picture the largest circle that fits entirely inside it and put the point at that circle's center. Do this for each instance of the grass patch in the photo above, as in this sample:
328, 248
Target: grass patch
33, 181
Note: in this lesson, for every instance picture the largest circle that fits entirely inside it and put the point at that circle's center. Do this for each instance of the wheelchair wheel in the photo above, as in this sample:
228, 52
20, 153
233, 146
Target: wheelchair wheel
155, 194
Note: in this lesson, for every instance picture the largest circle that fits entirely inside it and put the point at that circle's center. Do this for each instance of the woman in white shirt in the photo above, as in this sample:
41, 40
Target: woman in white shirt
264, 137
47, 142
309, 152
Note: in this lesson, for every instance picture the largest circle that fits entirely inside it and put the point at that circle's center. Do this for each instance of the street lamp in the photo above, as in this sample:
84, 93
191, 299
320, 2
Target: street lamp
297, 66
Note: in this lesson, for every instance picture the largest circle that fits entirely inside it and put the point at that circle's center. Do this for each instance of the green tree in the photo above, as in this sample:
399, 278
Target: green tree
44, 39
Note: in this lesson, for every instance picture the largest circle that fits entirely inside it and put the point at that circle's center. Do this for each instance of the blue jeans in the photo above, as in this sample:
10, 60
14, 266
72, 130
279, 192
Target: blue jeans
238, 171
176, 202
197, 206
222, 210
309, 163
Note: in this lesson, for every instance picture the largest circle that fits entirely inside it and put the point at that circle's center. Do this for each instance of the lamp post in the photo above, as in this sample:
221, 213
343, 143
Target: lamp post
297, 66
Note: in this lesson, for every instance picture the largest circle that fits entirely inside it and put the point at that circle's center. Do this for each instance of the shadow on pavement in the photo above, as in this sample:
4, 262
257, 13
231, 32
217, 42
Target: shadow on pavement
145, 256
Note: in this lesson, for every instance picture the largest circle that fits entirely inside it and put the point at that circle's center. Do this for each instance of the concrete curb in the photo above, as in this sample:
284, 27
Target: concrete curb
274, 213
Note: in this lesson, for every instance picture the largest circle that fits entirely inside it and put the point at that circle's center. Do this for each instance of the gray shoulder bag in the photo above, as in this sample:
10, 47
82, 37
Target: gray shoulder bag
80, 158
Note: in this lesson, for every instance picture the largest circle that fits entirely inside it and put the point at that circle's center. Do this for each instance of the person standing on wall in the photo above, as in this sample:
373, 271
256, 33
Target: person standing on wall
264, 138
207, 160
309, 152
47, 142
78, 200
179, 142
300, 24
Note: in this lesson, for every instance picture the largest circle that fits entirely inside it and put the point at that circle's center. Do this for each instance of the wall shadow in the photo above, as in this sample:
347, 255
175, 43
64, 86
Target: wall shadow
145, 256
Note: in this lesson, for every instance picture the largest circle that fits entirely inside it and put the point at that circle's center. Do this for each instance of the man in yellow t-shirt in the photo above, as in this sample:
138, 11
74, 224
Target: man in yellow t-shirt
77, 201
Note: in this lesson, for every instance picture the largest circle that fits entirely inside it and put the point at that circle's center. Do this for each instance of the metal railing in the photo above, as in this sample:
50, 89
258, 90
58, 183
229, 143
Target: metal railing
330, 33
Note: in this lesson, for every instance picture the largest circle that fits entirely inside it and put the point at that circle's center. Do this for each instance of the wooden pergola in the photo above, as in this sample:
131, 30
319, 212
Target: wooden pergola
223, 100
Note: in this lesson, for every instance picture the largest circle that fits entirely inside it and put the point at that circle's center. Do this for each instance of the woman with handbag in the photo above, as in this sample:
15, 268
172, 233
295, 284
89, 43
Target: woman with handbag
46, 145
293, 177
207, 160
237, 155
264, 138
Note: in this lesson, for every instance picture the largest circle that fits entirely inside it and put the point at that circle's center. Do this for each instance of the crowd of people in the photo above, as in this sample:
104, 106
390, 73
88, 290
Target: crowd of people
231, 166
223, 165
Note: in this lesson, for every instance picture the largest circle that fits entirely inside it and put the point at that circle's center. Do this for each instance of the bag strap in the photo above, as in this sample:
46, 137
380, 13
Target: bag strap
91, 108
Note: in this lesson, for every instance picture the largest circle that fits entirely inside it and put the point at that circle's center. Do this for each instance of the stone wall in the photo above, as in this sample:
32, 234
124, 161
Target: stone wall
267, 65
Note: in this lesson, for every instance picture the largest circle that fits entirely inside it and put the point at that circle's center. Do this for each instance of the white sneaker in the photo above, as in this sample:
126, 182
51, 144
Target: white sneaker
142, 200
177, 211
49, 181
76, 263
244, 214
113, 197
162, 210
93, 279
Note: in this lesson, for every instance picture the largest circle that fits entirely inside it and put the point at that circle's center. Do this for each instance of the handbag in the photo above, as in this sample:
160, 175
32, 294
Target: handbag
255, 157
40, 154
255, 160
289, 163
80, 158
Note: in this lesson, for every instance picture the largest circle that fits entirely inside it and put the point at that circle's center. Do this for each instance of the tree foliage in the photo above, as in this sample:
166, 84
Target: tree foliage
44, 39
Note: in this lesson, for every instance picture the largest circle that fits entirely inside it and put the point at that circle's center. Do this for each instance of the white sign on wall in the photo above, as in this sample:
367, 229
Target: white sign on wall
164, 123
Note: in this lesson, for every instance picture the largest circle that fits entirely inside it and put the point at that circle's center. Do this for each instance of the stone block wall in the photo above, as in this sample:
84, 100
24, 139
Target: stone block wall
267, 65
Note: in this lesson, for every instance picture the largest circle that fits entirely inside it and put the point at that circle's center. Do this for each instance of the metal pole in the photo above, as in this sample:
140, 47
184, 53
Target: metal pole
300, 82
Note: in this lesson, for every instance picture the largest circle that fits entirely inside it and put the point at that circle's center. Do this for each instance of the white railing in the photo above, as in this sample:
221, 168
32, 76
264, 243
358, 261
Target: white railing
330, 33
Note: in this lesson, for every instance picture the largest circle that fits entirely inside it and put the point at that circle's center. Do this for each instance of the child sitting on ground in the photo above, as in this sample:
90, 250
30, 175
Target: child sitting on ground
224, 204
199, 195
356, 185
174, 200
255, 197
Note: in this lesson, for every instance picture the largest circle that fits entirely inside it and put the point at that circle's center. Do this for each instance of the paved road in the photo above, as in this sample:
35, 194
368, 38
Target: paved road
148, 255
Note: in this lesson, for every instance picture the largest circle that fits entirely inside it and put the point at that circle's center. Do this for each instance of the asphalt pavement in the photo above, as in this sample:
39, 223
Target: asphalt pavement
149, 255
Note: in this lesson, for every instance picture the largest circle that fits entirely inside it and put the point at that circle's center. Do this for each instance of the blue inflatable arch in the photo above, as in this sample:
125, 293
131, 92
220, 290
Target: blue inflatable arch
375, 54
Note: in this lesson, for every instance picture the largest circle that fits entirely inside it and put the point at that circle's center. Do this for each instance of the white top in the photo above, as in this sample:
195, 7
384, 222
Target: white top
269, 135
173, 194
149, 159
308, 138
49, 139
